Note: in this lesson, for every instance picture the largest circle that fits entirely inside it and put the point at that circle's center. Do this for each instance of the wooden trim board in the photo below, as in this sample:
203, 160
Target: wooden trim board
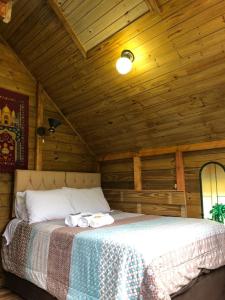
164, 150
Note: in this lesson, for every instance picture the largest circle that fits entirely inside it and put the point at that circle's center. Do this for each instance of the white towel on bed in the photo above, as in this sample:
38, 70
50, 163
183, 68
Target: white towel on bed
72, 220
87, 219
84, 220
100, 219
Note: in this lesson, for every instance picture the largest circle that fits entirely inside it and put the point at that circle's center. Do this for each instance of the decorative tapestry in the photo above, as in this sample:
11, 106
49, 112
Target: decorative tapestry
13, 131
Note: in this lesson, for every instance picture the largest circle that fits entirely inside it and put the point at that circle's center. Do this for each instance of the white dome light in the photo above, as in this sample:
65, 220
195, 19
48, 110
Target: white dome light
124, 63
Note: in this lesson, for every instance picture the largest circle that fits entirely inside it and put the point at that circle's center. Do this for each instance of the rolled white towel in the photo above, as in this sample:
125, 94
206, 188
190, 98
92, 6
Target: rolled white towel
72, 219
100, 219
84, 220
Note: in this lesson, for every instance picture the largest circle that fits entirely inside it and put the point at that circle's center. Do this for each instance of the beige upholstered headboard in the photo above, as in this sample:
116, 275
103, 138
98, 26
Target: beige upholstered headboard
46, 180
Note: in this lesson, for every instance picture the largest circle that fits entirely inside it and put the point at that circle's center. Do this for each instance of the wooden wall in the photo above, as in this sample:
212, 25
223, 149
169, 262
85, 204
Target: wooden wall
63, 151
117, 174
159, 172
155, 191
158, 181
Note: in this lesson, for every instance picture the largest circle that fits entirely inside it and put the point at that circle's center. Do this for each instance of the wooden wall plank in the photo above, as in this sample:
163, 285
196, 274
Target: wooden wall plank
148, 202
118, 174
159, 172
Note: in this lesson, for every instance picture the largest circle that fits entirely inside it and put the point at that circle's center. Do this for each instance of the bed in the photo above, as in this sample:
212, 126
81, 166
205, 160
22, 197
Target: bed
71, 266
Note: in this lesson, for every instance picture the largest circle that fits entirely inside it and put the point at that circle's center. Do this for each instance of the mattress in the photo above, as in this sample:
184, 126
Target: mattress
138, 257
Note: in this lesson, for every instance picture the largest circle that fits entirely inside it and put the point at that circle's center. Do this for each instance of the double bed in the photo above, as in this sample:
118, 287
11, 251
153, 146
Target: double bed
136, 257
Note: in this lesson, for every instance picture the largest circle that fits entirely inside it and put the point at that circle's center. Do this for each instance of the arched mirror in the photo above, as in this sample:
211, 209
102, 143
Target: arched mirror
212, 182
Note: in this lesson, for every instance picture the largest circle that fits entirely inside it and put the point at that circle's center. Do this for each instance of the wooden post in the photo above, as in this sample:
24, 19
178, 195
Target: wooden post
181, 180
39, 122
137, 173
180, 171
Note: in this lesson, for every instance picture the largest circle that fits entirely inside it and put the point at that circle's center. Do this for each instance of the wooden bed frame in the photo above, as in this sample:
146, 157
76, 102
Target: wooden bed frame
208, 286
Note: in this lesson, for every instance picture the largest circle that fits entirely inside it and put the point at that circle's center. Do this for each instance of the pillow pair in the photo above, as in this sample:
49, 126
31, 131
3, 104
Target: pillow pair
37, 206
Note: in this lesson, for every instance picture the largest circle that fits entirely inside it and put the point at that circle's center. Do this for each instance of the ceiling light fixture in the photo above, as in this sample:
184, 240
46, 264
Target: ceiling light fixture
124, 63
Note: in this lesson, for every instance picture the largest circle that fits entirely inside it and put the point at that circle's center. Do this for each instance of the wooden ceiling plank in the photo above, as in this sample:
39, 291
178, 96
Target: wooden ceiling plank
51, 54
75, 10
63, 20
210, 129
103, 19
98, 35
111, 17
153, 125
94, 14
23, 35
40, 38
153, 6
47, 54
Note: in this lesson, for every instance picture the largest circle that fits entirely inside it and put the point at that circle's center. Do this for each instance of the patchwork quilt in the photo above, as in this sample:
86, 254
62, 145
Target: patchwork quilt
140, 257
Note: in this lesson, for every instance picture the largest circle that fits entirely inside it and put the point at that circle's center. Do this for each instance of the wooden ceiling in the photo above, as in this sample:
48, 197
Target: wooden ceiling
175, 93
94, 21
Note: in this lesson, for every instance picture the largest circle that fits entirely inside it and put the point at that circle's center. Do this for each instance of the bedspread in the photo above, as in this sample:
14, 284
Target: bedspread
140, 257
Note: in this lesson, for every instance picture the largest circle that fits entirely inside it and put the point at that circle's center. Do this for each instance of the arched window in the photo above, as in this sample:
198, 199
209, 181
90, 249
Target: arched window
212, 182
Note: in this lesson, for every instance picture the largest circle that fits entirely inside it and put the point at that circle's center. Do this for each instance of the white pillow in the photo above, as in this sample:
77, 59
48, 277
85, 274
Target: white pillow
20, 206
88, 200
47, 205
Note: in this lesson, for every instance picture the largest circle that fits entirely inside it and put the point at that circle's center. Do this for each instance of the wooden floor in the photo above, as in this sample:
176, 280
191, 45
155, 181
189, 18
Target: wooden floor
7, 295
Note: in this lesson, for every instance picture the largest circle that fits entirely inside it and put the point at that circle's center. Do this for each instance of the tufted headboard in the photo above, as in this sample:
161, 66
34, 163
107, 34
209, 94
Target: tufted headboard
47, 180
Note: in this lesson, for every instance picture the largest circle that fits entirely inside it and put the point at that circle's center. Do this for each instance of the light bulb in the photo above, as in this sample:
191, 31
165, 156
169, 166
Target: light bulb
123, 65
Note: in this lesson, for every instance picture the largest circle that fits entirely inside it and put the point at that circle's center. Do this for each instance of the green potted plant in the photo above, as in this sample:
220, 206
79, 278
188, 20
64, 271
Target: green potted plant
218, 212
